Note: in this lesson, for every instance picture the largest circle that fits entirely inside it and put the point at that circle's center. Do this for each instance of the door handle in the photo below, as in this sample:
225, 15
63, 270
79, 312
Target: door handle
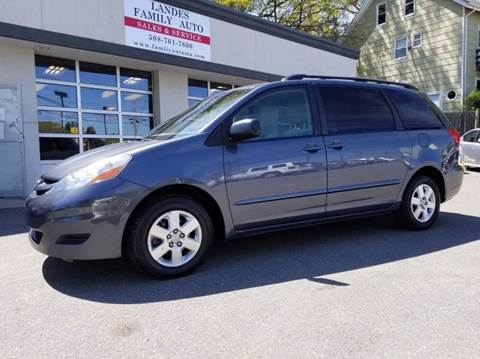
336, 145
312, 148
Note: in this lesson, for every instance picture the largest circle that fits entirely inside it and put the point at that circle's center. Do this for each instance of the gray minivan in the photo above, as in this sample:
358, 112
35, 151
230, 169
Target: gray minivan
297, 152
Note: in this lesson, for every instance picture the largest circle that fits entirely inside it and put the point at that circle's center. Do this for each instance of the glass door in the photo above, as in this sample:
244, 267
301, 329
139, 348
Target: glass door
11, 144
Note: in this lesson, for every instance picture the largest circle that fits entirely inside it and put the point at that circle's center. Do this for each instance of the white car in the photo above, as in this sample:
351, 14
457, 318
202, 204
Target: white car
470, 148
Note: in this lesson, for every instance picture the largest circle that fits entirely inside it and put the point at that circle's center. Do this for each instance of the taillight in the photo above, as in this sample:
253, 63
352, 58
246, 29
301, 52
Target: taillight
455, 135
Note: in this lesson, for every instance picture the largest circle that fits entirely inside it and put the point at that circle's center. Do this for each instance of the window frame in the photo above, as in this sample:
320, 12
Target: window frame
79, 110
314, 111
395, 41
397, 124
378, 24
405, 8
413, 40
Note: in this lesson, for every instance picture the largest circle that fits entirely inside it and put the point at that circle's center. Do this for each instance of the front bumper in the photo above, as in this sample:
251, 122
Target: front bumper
85, 223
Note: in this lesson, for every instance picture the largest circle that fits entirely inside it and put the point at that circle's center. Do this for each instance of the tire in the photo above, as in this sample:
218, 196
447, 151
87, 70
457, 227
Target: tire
414, 202
169, 237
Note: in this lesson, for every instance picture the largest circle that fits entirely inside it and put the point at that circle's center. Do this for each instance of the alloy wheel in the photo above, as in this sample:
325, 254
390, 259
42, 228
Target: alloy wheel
423, 203
175, 238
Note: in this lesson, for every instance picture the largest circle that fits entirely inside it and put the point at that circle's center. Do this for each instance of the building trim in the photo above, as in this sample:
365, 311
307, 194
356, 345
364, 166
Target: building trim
82, 43
223, 13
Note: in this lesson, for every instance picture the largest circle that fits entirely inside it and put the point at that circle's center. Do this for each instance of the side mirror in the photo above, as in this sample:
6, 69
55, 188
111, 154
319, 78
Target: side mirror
245, 129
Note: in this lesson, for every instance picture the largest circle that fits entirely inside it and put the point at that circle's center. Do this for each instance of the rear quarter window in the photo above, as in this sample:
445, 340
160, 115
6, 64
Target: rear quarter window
415, 112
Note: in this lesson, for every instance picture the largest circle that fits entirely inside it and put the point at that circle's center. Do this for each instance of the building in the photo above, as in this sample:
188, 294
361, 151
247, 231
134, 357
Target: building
76, 75
431, 44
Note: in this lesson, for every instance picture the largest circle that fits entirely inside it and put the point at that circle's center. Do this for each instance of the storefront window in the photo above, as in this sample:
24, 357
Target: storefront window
95, 99
199, 90
49, 68
216, 86
103, 105
100, 124
136, 125
137, 80
58, 122
135, 102
98, 74
57, 148
49, 95
92, 143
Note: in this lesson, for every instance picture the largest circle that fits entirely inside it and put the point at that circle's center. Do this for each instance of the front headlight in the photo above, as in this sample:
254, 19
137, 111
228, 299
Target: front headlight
99, 171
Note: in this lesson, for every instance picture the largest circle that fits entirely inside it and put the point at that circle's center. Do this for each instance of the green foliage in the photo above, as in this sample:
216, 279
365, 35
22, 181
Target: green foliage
242, 5
472, 102
319, 17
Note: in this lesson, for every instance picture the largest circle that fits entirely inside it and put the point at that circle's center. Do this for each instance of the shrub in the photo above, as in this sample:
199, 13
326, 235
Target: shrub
472, 102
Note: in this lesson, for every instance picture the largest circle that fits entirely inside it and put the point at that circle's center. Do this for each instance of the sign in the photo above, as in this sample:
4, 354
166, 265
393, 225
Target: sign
155, 26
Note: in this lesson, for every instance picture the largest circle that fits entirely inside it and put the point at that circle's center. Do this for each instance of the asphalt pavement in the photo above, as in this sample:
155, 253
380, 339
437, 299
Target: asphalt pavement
362, 289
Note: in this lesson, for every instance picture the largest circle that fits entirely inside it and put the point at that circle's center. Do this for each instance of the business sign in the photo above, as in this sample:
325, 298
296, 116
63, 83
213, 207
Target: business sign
155, 26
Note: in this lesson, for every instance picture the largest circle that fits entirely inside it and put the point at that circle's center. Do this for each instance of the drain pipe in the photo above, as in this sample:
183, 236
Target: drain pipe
465, 53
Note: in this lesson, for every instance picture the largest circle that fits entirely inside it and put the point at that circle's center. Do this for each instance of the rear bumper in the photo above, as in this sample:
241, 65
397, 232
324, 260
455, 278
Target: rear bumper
453, 181
86, 223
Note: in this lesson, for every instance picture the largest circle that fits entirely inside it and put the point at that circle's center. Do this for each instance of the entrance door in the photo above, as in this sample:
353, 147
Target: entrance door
11, 144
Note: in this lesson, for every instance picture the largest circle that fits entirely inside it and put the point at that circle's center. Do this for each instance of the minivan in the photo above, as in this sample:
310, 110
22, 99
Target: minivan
261, 158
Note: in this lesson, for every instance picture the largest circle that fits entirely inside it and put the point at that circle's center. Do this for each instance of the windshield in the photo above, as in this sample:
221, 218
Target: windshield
193, 120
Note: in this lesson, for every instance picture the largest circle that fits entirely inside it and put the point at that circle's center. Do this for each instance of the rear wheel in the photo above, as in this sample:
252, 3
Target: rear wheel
421, 204
170, 237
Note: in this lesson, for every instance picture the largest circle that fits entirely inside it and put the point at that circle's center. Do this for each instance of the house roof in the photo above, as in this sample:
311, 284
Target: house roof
469, 4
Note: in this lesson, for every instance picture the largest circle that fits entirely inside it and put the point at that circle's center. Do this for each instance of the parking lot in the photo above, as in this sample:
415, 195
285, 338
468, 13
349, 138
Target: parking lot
362, 289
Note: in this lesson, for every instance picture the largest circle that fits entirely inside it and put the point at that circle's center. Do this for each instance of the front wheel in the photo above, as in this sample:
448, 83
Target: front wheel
170, 237
421, 204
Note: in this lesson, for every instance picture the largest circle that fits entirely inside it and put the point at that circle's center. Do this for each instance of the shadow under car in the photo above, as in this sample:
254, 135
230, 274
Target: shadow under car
308, 253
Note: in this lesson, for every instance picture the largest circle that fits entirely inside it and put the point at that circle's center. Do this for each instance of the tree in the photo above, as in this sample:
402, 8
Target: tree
325, 18
472, 101
242, 5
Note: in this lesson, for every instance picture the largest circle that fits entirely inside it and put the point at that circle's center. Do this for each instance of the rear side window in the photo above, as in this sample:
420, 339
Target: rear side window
356, 110
414, 111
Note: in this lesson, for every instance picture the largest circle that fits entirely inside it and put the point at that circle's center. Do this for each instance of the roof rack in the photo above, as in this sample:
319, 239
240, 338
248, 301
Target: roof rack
356, 79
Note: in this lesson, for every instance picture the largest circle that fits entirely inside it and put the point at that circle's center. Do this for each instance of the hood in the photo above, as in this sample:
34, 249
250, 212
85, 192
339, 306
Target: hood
84, 159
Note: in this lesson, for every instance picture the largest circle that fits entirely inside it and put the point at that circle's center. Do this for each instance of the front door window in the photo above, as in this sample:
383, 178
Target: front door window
282, 114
